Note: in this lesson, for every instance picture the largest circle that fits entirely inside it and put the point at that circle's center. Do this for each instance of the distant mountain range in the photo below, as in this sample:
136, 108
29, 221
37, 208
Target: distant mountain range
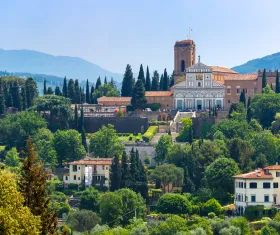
34, 62
268, 62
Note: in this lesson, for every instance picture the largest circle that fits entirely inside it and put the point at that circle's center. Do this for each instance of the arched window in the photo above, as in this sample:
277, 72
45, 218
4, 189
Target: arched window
182, 66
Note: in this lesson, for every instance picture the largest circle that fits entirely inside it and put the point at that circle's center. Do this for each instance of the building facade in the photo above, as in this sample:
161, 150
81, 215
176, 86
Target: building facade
89, 171
260, 187
114, 101
165, 98
198, 91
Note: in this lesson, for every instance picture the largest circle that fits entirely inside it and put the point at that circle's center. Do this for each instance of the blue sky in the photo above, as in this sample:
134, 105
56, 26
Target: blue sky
113, 33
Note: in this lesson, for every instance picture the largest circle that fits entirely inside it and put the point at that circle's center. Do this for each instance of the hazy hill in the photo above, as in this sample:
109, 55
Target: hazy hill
26, 61
268, 62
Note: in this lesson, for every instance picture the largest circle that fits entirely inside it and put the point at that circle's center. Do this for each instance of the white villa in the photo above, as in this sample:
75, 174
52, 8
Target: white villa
198, 91
90, 171
260, 187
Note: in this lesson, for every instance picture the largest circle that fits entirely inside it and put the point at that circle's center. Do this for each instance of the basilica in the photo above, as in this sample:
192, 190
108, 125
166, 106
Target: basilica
198, 91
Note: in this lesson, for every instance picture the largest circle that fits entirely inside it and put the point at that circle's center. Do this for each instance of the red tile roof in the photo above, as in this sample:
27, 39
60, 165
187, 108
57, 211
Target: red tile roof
93, 161
249, 76
158, 93
118, 99
257, 174
222, 70
274, 167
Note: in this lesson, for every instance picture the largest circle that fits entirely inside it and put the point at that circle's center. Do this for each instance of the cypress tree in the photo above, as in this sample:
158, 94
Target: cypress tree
31, 91
242, 97
23, 98
82, 121
65, 88
249, 112
2, 99
142, 184
49, 91
128, 82
112, 82
6, 93
87, 93
105, 80
161, 83
133, 167
33, 187
188, 185
45, 87
115, 174
77, 92
172, 79
98, 83
57, 91
84, 139
71, 91
76, 117
155, 81
190, 135
148, 80
277, 85
16, 96
141, 74
165, 81
10, 102
125, 174
91, 95
83, 95
264, 82
138, 99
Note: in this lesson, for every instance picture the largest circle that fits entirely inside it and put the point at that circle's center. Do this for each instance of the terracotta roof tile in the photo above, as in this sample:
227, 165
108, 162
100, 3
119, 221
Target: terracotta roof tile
158, 93
274, 167
222, 70
119, 99
93, 161
249, 76
257, 174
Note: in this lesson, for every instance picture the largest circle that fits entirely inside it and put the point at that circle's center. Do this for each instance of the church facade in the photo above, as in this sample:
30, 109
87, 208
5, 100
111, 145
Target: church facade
198, 91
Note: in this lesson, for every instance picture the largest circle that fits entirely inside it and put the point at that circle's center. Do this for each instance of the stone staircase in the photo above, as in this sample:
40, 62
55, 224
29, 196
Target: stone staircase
156, 138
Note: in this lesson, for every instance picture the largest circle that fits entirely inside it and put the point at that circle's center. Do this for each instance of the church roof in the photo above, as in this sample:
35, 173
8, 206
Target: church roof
248, 76
199, 67
218, 69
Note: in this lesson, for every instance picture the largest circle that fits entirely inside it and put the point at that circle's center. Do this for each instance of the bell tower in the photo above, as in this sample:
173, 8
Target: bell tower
184, 57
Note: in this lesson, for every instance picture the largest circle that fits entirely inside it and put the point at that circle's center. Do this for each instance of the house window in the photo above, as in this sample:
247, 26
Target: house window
228, 90
79, 168
74, 168
266, 198
244, 185
237, 90
74, 177
103, 167
106, 168
253, 185
228, 101
253, 198
277, 174
266, 185
275, 185
79, 178
66, 178
241, 184
199, 84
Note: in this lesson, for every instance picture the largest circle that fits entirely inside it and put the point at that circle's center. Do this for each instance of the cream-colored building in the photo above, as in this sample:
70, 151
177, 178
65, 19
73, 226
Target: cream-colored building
89, 171
260, 187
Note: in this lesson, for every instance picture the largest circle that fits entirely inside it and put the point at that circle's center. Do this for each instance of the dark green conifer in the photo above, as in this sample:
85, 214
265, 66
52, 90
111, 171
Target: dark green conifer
2, 99
161, 83
165, 81
98, 83
71, 91
115, 174
45, 87
141, 74
87, 93
138, 100
125, 173
249, 112
84, 139
49, 91
128, 82
148, 80
277, 85
16, 96
264, 82
65, 88
155, 81
57, 91
76, 118
242, 98
105, 80
23, 97
82, 121
91, 95
77, 92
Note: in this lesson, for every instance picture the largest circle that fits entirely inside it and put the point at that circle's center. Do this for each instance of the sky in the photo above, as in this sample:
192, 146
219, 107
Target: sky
114, 33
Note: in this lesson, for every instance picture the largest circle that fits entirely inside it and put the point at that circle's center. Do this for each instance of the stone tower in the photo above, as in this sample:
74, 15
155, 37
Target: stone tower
184, 57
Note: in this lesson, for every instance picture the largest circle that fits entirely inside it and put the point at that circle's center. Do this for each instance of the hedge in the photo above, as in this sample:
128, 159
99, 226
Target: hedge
149, 134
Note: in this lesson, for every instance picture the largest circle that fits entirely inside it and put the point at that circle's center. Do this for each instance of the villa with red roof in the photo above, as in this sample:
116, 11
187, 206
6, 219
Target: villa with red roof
259, 187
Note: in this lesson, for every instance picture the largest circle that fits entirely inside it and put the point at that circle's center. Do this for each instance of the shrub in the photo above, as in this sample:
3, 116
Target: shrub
212, 205
130, 137
73, 186
154, 106
258, 225
149, 134
211, 215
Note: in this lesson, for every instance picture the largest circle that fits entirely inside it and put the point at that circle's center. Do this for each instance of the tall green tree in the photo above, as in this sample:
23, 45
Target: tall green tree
76, 118
242, 98
128, 82
10, 102
82, 119
45, 87
23, 97
155, 81
141, 74
87, 93
105, 80
77, 97
31, 91
83, 95
165, 81
84, 139
148, 80
65, 88
141, 180
162, 148
49, 91
16, 96
138, 100
277, 84
172, 82
33, 188
57, 91
98, 83
161, 83
90, 200
2, 99
264, 82
91, 95
115, 174
249, 112
125, 174
105, 143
